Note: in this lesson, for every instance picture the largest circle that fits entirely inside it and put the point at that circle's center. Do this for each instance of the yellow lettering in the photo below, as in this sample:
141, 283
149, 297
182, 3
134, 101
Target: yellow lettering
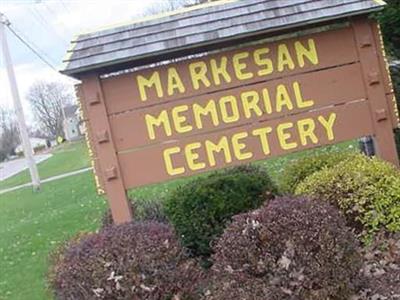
284, 136
282, 98
143, 82
301, 103
241, 66
306, 129
220, 71
262, 133
310, 53
266, 63
168, 161
192, 157
198, 73
162, 119
284, 58
174, 82
238, 147
222, 145
199, 111
250, 103
267, 101
328, 125
179, 120
231, 100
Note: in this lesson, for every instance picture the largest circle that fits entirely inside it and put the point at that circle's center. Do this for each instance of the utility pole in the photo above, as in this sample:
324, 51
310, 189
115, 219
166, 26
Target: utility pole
17, 105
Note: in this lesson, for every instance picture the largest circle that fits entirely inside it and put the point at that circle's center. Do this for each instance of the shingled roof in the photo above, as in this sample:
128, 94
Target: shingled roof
202, 25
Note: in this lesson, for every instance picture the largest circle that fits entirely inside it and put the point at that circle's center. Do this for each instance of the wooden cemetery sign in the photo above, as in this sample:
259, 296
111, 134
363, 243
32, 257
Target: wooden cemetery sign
279, 93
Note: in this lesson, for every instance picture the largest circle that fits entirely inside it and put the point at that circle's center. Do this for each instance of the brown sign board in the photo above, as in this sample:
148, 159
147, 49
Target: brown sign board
257, 102
238, 105
257, 63
243, 144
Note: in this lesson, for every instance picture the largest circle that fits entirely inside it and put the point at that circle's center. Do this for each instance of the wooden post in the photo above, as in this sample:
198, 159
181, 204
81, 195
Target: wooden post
390, 96
93, 102
375, 87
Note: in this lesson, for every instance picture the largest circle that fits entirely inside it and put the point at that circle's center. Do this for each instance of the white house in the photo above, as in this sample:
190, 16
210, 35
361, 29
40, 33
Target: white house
71, 123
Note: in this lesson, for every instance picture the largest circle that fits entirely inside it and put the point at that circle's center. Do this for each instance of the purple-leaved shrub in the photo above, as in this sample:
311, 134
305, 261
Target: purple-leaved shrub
135, 261
288, 249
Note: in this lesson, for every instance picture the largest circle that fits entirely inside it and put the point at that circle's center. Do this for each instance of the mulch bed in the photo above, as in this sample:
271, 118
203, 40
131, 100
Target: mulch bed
381, 269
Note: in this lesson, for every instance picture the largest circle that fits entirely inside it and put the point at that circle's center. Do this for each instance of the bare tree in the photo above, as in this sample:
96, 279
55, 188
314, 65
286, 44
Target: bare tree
9, 136
47, 100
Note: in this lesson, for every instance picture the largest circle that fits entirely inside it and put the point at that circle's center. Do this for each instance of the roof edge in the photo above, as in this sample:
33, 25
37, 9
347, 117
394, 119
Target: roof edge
78, 71
154, 17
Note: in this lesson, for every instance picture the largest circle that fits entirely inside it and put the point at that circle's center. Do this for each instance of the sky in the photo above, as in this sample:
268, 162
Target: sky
49, 26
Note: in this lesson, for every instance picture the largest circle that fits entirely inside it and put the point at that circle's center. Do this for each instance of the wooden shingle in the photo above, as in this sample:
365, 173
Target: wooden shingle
202, 25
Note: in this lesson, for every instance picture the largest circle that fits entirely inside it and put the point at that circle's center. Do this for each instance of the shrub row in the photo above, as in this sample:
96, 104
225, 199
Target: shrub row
366, 190
200, 209
298, 170
290, 248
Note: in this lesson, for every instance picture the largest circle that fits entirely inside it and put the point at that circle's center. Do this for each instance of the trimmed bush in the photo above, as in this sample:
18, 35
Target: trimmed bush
300, 169
151, 210
238, 286
57, 255
381, 268
131, 261
288, 249
144, 210
200, 209
107, 219
366, 190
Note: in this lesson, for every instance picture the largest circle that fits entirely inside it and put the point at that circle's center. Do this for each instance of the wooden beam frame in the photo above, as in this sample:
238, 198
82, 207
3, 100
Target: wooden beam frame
100, 134
374, 81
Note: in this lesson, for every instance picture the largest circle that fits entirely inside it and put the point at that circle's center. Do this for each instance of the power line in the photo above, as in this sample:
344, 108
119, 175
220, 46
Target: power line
30, 47
54, 13
42, 21
65, 6
33, 45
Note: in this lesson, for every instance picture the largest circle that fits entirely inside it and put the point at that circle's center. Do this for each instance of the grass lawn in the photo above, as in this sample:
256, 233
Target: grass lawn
33, 224
66, 158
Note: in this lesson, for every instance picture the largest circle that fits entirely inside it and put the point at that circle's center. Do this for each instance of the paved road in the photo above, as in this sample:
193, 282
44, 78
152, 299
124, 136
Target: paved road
45, 180
10, 168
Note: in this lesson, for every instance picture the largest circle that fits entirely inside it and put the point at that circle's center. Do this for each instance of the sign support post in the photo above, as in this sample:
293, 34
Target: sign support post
94, 106
374, 85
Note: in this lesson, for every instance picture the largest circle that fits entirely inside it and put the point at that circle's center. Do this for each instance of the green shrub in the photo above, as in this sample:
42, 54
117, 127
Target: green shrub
300, 169
140, 260
289, 249
200, 209
143, 210
366, 190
